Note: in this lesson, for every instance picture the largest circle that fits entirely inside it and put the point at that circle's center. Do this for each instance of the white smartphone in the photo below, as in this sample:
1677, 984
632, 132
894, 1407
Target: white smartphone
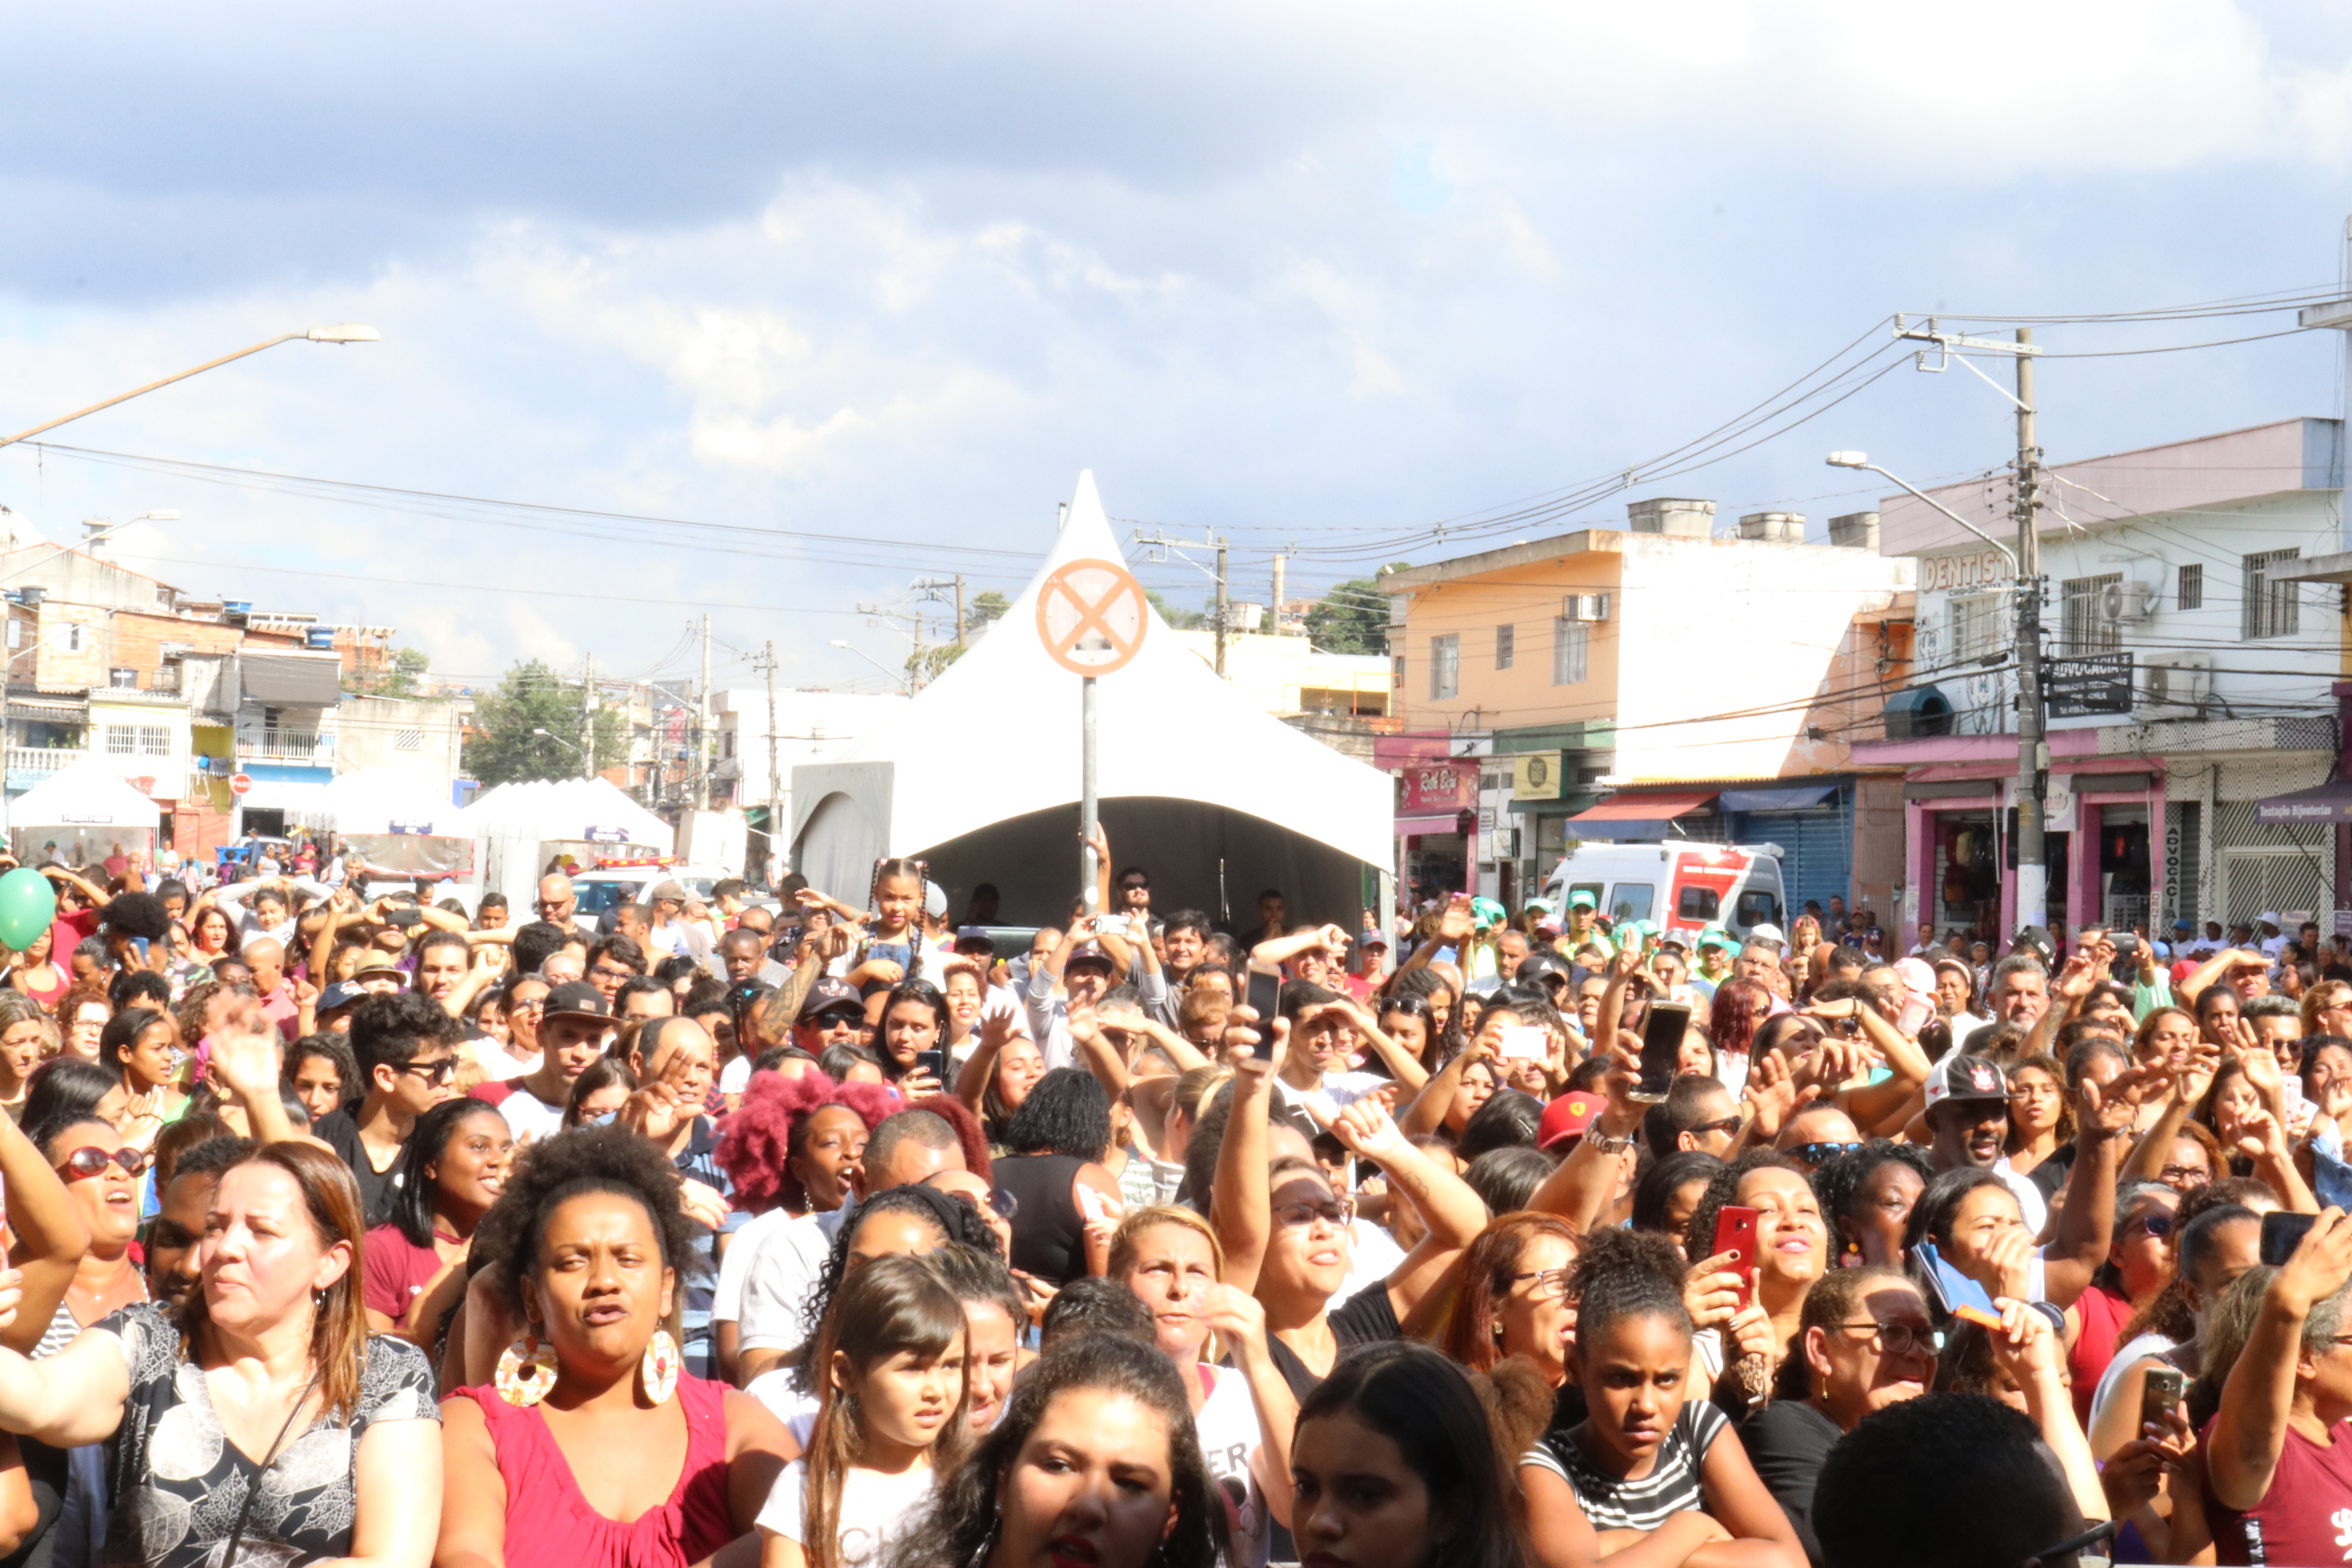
1115, 924
1522, 1041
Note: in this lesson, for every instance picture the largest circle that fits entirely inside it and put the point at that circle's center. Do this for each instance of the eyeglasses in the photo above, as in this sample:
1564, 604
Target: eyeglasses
536, 1004
2171, 1174
1898, 1339
1550, 1284
86, 1162
2067, 1552
1337, 1213
610, 971
1820, 1153
434, 1073
1729, 1125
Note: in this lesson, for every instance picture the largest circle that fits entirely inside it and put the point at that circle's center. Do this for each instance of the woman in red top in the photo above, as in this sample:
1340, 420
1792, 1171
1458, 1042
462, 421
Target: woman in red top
2278, 1455
451, 1171
592, 1449
2139, 1264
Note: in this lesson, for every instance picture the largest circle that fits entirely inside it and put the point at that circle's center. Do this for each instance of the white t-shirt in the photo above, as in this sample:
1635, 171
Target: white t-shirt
1372, 1255
736, 1075
1228, 1426
1339, 1090
499, 1064
2029, 1197
531, 1118
781, 1279
727, 1296
876, 1509
796, 1409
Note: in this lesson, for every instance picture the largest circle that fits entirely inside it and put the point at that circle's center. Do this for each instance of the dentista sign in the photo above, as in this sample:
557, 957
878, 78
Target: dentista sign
1959, 573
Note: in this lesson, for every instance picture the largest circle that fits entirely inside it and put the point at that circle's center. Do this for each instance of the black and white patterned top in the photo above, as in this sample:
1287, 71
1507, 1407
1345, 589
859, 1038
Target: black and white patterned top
178, 1481
1614, 1503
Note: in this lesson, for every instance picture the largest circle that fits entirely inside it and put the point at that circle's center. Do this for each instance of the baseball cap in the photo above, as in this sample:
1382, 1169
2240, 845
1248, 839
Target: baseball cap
935, 899
830, 993
1967, 1078
1540, 965
1675, 939
577, 999
1567, 1117
2269, 918
1769, 932
1372, 939
1487, 912
2184, 925
1716, 936
1089, 954
341, 993
1541, 906
1917, 977
1580, 899
2037, 940
669, 889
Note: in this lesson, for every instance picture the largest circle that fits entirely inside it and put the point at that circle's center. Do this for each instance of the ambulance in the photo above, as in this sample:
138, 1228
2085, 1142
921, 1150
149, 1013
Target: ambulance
1681, 886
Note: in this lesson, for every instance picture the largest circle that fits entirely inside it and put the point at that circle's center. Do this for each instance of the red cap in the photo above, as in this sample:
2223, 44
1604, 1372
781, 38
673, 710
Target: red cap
1567, 1117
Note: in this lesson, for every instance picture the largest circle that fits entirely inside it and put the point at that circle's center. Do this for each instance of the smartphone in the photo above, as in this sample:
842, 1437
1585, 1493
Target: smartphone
2161, 1395
403, 918
1958, 1295
2281, 1233
1264, 999
1735, 1232
932, 1062
2125, 945
1661, 1048
1115, 924
1523, 1040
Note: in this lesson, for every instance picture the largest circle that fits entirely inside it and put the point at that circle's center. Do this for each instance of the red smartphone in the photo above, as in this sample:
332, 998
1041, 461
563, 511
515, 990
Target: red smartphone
1735, 1232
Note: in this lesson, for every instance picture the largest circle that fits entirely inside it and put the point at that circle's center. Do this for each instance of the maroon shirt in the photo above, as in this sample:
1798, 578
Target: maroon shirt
394, 1270
2305, 1517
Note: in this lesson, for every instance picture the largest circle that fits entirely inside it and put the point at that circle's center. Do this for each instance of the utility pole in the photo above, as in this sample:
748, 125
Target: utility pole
775, 778
959, 642
1279, 565
2033, 747
588, 721
701, 796
1164, 547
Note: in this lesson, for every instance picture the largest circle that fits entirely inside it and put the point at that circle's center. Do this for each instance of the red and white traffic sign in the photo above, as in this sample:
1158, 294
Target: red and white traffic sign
239, 783
1091, 616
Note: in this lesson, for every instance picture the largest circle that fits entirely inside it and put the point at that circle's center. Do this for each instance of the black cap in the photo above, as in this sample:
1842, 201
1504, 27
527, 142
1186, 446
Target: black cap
1089, 955
831, 993
576, 999
1967, 1078
1541, 964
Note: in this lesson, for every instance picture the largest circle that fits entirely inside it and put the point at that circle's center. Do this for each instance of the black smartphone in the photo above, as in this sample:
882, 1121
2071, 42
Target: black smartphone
932, 1062
2126, 945
403, 918
1661, 1048
2281, 1233
1264, 999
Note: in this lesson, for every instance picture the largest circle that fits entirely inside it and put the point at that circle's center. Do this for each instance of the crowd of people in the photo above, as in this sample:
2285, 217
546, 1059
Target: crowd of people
818, 1231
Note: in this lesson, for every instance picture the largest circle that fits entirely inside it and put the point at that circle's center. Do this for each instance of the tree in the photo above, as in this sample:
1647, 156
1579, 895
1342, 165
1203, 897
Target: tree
1178, 620
1353, 617
504, 745
986, 606
395, 677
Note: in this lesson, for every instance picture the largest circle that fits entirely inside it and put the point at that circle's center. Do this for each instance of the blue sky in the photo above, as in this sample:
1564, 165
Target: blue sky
887, 277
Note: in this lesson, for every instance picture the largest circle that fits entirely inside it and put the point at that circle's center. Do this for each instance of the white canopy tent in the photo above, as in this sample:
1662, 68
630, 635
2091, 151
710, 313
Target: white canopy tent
980, 776
400, 821
525, 825
87, 810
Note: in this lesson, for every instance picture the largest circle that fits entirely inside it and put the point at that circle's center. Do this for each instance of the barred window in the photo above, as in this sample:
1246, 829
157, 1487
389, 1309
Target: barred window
1506, 638
138, 740
2192, 587
1445, 666
2081, 628
1571, 643
2272, 607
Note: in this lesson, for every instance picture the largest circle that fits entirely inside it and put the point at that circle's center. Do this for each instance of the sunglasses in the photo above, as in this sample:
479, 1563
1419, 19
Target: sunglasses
434, 1073
1001, 1204
2158, 1226
86, 1162
1820, 1153
1338, 1213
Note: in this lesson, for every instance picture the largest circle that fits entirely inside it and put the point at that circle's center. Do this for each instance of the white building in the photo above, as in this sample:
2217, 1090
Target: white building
810, 726
2175, 570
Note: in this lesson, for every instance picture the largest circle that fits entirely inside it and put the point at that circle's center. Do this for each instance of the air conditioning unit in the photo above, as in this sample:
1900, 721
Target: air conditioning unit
1584, 607
2126, 601
2175, 681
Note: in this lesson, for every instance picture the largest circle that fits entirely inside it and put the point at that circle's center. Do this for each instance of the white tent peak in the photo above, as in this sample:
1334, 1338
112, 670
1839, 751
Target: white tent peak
995, 736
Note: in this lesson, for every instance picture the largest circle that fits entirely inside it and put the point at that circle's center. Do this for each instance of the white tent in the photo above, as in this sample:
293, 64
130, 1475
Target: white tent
980, 775
388, 800
87, 810
526, 824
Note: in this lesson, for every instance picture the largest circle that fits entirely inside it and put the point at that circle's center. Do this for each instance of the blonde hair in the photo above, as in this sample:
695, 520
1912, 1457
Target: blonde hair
1122, 1243
2327, 994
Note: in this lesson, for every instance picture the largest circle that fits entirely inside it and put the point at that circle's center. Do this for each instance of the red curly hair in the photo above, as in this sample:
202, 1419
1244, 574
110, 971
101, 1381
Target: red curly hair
756, 1143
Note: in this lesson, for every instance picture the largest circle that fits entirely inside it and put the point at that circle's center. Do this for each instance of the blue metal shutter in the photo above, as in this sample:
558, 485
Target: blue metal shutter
1816, 851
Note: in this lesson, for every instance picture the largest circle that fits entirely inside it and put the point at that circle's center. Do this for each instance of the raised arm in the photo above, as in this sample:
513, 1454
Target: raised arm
1582, 1188
2026, 1348
996, 1031
2242, 1455
50, 1237
1409, 1074
246, 1057
2086, 1221
1095, 1052
1452, 1213
1283, 949
74, 1397
1241, 1205
773, 1019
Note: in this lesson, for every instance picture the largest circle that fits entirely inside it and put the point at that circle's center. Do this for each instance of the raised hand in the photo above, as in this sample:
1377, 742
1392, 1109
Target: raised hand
1366, 1130
1711, 1291
1772, 1094
2321, 1262
243, 1053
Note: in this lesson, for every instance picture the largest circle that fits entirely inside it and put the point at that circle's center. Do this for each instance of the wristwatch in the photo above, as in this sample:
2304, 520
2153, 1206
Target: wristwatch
1602, 1143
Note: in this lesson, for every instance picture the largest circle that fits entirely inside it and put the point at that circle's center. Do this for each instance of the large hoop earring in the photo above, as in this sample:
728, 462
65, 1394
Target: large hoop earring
526, 1372
987, 1542
657, 1369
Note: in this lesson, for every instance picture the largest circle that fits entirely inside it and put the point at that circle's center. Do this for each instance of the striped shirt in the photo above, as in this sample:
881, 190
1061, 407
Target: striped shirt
1672, 1487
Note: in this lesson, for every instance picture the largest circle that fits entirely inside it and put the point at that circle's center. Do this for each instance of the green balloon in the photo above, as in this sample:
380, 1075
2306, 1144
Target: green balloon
27, 904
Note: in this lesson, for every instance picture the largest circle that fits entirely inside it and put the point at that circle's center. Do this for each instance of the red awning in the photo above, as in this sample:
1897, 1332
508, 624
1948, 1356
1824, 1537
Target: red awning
1657, 807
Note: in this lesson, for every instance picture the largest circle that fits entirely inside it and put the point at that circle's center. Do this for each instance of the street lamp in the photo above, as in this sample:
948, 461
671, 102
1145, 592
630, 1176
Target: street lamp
346, 333
876, 663
2033, 725
557, 739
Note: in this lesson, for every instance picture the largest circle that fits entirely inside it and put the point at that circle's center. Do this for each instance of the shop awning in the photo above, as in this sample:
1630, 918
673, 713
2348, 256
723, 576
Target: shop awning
1792, 797
1662, 806
2323, 802
1408, 827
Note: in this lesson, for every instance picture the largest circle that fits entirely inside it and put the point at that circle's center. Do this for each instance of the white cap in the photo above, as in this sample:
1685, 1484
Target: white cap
1767, 932
2268, 918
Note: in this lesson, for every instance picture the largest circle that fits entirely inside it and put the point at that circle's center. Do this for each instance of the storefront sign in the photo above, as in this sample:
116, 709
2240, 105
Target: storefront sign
1538, 775
1964, 574
2095, 683
1438, 786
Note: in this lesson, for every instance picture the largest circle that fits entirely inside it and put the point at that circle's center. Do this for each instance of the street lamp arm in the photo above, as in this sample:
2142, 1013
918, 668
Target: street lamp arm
1947, 512
354, 334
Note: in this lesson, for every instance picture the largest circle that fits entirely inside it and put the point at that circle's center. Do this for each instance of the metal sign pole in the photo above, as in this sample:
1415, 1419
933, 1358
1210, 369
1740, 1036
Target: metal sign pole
1090, 883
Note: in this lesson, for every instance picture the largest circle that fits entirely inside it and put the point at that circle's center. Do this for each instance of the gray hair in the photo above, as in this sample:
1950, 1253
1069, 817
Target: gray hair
2272, 1005
2019, 963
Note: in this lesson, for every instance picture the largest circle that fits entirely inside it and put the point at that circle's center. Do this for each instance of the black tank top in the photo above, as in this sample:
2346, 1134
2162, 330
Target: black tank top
1049, 1232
